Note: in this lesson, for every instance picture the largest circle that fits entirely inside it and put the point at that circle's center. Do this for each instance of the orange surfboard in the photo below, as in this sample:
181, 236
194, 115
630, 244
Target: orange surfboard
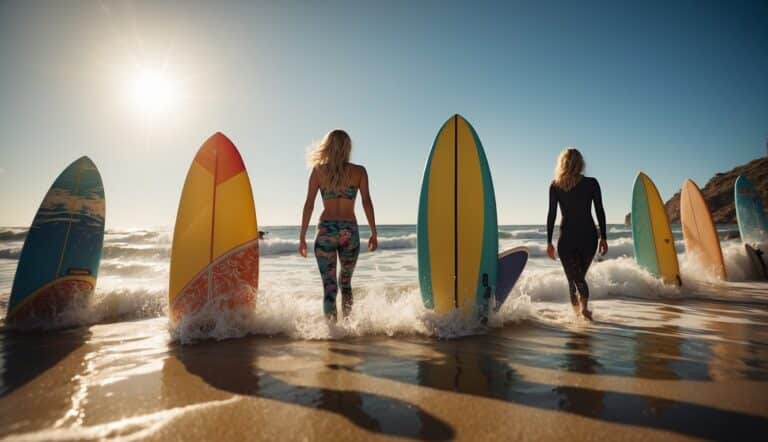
699, 232
215, 251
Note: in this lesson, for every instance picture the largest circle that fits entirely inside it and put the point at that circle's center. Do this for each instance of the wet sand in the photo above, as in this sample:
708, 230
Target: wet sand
679, 370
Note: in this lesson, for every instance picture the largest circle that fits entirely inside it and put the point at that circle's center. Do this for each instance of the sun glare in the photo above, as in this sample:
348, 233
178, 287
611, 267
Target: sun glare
153, 91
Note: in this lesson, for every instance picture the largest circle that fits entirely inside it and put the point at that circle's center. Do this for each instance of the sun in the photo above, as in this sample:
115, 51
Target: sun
153, 91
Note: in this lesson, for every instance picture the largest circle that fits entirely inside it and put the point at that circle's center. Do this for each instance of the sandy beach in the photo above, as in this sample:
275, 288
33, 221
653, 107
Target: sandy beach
699, 375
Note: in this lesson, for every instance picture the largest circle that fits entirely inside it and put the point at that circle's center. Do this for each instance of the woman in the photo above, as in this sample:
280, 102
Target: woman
576, 245
338, 181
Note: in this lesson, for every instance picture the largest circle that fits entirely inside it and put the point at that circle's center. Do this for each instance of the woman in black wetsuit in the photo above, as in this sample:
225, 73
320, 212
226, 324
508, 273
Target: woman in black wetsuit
577, 242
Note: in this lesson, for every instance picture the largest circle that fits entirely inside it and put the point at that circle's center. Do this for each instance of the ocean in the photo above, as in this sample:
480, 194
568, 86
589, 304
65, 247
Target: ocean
133, 280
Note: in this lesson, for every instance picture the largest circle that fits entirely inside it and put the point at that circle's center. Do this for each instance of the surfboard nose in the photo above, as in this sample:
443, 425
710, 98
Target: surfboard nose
219, 156
84, 160
219, 141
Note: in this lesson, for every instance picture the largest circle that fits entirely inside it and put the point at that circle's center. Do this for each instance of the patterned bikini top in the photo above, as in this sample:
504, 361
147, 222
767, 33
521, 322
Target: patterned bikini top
349, 194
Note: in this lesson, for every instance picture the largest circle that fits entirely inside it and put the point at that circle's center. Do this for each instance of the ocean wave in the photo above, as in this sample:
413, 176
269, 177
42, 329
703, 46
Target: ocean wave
10, 253
614, 277
388, 309
13, 234
392, 310
103, 307
132, 269
617, 248
267, 247
281, 246
138, 237
523, 234
130, 252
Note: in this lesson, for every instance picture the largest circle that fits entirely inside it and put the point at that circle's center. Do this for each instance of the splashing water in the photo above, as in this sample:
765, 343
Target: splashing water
134, 273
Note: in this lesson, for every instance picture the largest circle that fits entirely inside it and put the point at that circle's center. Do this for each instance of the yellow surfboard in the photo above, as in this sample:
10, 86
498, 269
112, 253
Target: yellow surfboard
458, 240
215, 251
699, 232
651, 235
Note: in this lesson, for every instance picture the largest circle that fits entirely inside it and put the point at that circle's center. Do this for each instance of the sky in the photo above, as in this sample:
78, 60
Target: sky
675, 89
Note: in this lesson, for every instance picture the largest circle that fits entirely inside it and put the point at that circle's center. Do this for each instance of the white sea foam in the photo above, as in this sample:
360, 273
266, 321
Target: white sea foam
103, 306
536, 249
380, 310
127, 429
133, 282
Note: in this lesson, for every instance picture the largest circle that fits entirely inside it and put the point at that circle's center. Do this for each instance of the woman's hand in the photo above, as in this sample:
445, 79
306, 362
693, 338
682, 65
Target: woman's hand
551, 251
603, 247
303, 247
373, 242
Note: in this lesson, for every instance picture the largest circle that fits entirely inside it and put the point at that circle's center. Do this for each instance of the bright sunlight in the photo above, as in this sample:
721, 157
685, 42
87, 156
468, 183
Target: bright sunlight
153, 91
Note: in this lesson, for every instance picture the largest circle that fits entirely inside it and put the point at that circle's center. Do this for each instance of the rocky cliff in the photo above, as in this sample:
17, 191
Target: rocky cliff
719, 192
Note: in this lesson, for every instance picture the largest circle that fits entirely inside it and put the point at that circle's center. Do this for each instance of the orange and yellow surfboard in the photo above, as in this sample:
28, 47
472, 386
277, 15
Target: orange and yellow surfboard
215, 251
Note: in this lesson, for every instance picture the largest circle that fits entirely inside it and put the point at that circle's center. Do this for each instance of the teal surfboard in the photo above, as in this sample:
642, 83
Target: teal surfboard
750, 214
458, 233
59, 262
652, 237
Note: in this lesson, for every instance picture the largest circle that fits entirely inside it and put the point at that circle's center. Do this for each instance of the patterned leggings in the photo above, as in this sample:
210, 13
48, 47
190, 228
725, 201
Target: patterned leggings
343, 239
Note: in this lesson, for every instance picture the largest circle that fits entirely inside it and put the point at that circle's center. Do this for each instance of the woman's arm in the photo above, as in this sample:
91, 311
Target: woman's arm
551, 217
365, 193
597, 199
309, 206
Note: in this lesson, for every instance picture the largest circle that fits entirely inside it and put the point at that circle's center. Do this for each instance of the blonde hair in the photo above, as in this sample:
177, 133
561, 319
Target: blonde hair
330, 158
569, 170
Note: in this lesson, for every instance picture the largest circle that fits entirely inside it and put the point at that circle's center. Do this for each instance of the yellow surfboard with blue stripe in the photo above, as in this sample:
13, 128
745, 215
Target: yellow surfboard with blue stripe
458, 237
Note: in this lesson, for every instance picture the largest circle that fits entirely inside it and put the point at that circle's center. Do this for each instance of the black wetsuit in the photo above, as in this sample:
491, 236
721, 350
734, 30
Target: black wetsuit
577, 243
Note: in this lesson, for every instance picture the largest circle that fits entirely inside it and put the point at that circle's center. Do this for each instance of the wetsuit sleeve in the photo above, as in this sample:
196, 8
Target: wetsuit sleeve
552, 214
597, 199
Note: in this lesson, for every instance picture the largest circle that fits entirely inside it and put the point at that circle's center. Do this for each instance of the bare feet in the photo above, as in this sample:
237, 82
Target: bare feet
576, 310
585, 312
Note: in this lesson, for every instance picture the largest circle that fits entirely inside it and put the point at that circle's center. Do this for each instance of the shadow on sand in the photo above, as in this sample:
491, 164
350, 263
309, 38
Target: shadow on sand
232, 366
479, 366
26, 355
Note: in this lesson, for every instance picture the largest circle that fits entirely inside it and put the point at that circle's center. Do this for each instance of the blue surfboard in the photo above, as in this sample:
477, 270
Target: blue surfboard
511, 265
753, 225
750, 214
60, 258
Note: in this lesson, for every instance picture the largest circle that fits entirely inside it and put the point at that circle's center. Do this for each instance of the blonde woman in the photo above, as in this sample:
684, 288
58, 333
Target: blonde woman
338, 237
578, 238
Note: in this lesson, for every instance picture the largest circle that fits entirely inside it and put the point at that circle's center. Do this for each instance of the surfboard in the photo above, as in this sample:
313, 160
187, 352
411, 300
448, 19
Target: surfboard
511, 265
699, 233
753, 225
750, 214
457, 228
654, 244
59, 262
215, 249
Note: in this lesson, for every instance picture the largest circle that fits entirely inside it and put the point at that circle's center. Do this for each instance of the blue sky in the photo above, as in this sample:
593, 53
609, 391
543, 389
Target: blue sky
676, 89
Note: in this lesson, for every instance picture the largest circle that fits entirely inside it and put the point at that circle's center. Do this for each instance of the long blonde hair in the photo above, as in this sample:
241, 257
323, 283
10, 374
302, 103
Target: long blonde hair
330, 158
569, 170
